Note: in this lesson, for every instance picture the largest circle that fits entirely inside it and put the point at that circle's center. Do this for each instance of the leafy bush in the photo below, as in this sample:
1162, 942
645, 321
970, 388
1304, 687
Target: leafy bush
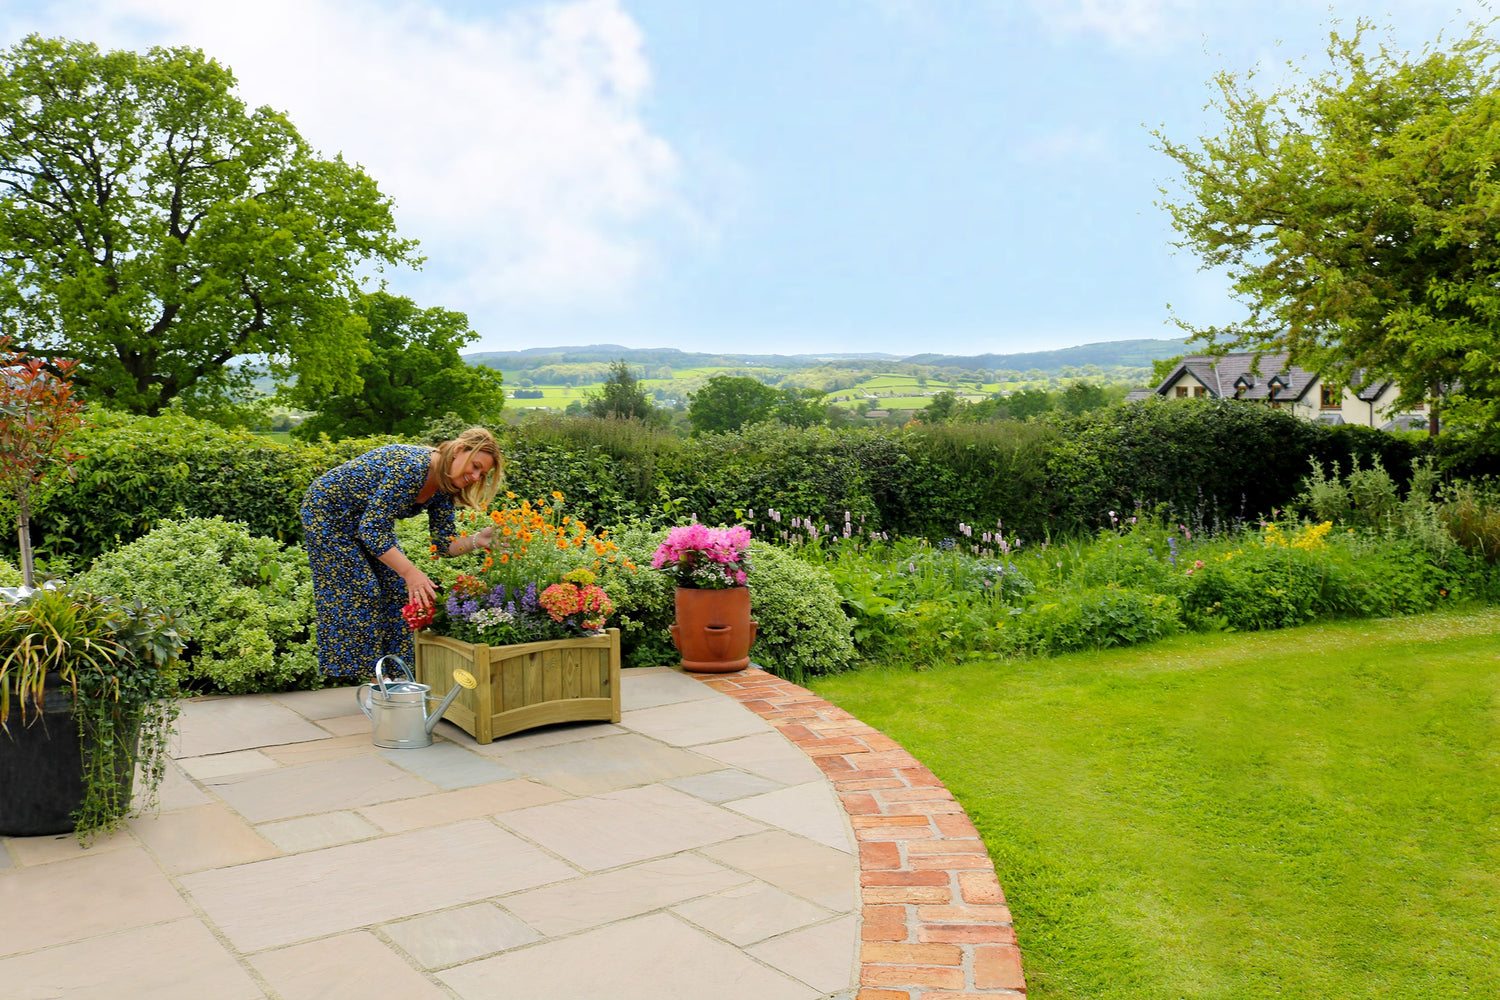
803, 630
245, 603
1472, 517
137, 471
1212, 462
1091, 618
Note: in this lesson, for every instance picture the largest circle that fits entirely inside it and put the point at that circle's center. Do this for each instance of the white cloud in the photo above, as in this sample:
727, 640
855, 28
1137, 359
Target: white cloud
514, 146
1132, 24
1069, 144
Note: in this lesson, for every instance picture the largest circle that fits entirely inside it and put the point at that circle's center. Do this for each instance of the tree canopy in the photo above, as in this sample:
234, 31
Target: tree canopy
1354, 213
728, 402
620, 396
155, 228
414, 374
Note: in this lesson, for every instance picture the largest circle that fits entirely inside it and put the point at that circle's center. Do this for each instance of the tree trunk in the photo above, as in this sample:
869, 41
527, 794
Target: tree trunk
23, 531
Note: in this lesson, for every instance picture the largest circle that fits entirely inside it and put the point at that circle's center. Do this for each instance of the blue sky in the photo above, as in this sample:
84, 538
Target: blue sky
770, 176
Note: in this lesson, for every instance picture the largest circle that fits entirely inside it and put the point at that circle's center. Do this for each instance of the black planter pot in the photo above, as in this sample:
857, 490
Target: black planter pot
41, 767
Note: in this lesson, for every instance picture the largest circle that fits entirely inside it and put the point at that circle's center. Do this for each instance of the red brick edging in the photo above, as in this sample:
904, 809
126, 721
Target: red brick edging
935, 924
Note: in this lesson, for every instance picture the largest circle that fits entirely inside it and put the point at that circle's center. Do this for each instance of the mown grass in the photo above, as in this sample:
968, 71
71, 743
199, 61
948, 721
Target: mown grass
1312, 812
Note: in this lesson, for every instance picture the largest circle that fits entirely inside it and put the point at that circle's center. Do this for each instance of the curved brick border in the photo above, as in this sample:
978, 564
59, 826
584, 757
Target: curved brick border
935, 924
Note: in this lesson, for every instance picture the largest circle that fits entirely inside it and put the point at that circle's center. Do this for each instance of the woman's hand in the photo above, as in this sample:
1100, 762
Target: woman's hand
420, 589
484, 538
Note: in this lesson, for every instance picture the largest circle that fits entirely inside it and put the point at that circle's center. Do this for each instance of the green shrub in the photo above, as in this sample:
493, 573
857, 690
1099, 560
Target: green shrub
245, 603
1091, 618
10, 576
803, 630
643, 598
137, 471
1472, 517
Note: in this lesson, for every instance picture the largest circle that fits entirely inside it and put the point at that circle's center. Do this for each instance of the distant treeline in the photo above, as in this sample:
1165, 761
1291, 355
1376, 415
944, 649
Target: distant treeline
585, 365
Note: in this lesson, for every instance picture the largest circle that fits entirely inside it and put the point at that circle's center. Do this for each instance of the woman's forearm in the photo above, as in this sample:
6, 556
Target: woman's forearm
396, 560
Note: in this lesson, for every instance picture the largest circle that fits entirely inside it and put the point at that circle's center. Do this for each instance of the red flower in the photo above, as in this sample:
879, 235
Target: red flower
417, 616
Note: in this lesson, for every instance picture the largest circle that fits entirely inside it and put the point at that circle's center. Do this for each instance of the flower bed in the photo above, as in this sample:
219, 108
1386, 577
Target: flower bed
538, 649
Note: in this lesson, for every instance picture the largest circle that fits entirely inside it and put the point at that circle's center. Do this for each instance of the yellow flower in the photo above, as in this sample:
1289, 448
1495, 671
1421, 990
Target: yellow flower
556, 495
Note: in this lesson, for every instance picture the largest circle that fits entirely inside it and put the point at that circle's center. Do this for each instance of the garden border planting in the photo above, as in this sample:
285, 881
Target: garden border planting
935, 925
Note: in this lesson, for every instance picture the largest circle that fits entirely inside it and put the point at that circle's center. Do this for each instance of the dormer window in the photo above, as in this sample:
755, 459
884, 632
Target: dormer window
1274, 386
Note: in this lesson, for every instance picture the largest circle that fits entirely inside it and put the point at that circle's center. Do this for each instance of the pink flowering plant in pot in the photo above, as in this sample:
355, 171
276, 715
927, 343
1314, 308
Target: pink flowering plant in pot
702, 558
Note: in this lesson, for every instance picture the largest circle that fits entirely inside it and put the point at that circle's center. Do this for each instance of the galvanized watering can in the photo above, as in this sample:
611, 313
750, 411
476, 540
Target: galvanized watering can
398, 708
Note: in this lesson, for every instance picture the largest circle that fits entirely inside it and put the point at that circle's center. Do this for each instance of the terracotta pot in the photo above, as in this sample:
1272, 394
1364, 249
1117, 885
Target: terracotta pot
713, 630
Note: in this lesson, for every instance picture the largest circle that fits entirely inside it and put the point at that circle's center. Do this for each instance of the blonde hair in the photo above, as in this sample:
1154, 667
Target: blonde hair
476, 496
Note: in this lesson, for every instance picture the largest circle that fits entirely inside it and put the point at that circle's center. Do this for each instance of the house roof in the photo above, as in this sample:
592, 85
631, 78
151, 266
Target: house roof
1224, 375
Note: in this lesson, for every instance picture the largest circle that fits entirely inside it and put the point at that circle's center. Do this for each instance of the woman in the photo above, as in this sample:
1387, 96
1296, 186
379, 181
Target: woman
360, 577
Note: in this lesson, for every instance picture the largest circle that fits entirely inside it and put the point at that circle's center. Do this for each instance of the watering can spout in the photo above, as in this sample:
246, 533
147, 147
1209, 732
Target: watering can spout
462, 681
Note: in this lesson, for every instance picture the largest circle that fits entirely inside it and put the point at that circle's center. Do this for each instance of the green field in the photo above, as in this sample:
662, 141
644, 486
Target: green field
1309, 813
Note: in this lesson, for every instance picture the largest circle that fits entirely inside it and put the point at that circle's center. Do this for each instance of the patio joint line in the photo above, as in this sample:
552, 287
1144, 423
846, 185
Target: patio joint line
934, 921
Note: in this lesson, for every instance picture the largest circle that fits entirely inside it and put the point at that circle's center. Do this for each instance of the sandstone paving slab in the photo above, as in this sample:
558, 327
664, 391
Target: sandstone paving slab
448, 765
324, 786
219, 725
814, 871
349, 967
545, 736
810, 810
62, 846
207, 836
177, 960
621, 828
220, 764
465, 803
690, 723
176, 791
768, 754
655, 957
267, 904
824, 957
357, 724
626, 892
606, 764
79, 898
311, 833
313, 751
437, 940
6, 861
324, 703
724, 785
750, 912
648, 687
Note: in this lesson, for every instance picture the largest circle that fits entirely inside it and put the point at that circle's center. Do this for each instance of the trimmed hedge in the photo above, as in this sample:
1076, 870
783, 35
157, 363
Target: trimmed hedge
1208, 460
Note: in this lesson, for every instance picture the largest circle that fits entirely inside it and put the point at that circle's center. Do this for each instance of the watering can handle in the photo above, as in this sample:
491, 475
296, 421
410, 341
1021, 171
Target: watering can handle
380, 671
363, 695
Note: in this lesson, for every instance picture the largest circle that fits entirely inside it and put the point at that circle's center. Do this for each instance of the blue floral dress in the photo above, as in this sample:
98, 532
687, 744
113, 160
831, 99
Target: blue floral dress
349, 519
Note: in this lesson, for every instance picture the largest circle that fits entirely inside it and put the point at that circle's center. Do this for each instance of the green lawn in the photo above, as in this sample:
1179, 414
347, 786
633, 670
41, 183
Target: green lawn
1306, 813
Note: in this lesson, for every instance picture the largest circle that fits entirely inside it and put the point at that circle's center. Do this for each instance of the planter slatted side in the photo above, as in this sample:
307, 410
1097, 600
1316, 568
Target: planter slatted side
526, 685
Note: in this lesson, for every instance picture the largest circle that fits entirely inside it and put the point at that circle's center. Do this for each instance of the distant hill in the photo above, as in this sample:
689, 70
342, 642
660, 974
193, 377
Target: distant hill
1131, 353
1126, 353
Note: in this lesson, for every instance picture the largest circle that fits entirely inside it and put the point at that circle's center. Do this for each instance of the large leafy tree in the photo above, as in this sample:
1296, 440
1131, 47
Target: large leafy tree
414, 373
155, 228
620, 396
1355, 214
728, 402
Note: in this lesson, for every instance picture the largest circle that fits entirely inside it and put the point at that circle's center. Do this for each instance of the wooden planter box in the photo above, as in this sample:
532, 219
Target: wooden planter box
526, 685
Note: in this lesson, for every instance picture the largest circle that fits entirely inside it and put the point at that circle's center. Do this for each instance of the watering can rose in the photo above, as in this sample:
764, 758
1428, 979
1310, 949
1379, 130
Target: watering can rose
703, 558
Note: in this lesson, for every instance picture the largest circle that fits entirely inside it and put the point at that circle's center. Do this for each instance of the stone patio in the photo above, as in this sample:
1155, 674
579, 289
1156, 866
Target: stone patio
691, 852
